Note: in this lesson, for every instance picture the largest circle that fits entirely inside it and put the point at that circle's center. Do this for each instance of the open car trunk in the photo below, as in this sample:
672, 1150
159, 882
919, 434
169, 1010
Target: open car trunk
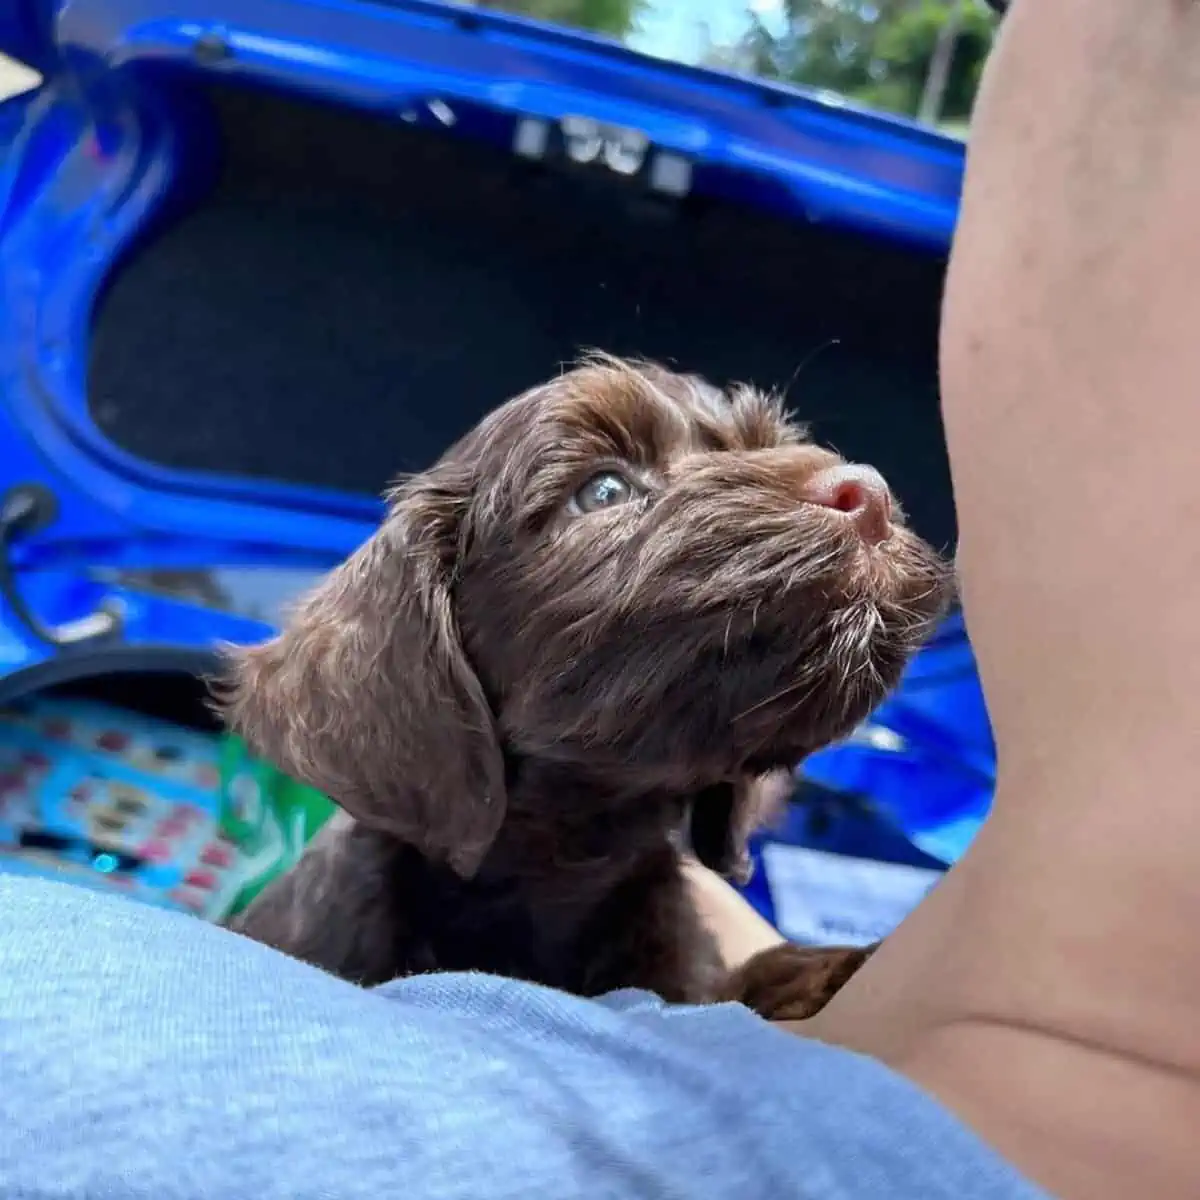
352, 294
251, 308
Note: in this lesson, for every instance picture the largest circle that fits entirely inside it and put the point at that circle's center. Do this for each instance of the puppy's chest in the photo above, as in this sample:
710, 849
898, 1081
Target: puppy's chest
567, 897
579, 925
497, 926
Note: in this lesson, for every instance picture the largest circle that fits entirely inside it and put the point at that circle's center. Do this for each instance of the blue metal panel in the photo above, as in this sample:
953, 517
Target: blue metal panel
25, 32
835, 162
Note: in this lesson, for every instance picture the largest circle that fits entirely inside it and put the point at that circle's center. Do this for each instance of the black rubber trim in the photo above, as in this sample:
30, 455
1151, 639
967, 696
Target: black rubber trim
70, 667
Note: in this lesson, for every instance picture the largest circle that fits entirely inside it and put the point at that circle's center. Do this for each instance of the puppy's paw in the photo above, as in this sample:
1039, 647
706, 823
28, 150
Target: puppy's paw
791, 983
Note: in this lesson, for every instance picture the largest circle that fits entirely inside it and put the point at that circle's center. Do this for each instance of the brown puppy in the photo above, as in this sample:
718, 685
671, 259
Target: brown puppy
606, 623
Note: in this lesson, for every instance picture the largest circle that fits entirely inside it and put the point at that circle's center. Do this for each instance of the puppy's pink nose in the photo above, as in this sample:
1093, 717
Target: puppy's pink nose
859, 492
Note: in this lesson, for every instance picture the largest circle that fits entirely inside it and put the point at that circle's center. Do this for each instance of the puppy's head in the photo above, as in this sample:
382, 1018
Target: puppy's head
624, 572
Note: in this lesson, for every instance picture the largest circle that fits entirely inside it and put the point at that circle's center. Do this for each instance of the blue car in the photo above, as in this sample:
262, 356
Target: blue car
258, 256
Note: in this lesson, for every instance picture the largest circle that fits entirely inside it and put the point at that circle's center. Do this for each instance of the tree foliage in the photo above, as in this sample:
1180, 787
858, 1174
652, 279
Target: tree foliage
614, 17
875, 51
878, 52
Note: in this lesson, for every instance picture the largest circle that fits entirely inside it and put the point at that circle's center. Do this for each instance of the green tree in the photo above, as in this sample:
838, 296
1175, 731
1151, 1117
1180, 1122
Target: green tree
877, 52
614, 17
831, 43
906, 47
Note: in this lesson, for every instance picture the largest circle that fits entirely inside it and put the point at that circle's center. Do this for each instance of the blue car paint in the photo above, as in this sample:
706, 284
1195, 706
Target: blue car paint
926, 757
25, 32
110, 142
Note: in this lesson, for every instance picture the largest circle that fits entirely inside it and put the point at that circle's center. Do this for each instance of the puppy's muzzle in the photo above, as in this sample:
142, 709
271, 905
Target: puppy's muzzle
861, 493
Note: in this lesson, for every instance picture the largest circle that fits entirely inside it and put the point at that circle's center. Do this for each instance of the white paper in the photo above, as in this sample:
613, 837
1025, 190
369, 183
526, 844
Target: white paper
826, 899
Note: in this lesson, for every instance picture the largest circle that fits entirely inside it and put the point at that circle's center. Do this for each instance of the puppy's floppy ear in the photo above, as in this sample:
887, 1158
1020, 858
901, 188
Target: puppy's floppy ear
368, 696
725, 816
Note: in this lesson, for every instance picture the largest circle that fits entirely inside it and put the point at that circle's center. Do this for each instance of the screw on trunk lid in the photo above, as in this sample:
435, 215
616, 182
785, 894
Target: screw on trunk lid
212, 48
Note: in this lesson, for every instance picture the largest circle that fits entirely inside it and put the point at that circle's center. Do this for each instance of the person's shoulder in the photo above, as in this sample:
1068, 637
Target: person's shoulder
758, 1109
149, 1054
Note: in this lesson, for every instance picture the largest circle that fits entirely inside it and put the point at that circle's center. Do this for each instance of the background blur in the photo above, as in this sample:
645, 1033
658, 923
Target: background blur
917, 58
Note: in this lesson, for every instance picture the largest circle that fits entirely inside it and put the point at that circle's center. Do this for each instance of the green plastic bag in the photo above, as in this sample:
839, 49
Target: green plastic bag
267, 815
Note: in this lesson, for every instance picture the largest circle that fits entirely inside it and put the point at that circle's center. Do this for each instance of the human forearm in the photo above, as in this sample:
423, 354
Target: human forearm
1069, 366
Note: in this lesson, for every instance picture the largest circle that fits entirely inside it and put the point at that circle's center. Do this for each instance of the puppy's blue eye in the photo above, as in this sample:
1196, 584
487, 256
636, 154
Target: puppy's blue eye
605, 490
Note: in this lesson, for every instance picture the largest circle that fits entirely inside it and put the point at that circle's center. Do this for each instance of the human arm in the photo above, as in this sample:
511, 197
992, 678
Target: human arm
1052, 976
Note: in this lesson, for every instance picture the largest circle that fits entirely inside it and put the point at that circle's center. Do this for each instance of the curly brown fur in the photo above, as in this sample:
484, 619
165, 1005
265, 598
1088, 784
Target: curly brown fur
527, 704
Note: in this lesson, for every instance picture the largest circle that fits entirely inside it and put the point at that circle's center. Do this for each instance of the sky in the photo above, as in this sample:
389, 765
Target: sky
681, 29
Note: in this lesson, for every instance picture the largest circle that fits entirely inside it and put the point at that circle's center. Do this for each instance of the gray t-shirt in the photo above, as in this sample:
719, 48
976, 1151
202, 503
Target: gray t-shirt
148, 1056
